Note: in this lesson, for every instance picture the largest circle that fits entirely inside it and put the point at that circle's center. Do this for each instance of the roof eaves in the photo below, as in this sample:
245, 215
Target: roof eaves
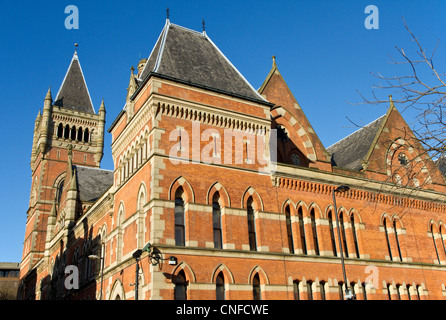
201, 86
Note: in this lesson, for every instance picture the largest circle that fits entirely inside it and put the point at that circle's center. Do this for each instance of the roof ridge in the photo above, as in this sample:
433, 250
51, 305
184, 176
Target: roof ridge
77, 165
187, 29
161, 49
356, 131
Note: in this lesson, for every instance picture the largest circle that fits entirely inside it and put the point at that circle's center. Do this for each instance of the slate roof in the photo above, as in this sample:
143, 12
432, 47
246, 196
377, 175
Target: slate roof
92, 182
349, 152
190, 57
73, 93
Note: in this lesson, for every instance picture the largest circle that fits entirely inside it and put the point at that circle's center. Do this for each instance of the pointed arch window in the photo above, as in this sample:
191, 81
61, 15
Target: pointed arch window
397, 240
344, 238
302, 230
289, 230
216, 221
66, 133
322, 290
314, 231
86, 135
251, 226
435, 244
73, 133
364, 291
256, 292
332, 234
180, 290
220, 287
296, 290
59, 190
79, 134
309, 290
60, 130
441, 238
387, 238
180, 238
355, 238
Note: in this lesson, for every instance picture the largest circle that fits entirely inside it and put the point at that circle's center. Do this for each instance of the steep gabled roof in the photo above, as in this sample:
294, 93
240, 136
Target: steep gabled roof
73, 93
92, 182
190, 57
350, 152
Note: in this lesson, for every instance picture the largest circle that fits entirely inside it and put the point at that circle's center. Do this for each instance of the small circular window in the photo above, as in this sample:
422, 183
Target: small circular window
402, 158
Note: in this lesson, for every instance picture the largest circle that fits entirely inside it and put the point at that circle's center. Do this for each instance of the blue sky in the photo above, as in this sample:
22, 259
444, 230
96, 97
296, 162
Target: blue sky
322, 49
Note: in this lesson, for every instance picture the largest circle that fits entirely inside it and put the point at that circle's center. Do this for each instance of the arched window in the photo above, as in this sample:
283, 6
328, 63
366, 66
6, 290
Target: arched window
408, 292
66, 133
79, 134
59, 191
398, 287
220, 287
435, 244
314, 231
309, 290
180, 238
302, 230
387, 238
120, 220
397, 240
352, 287
389, 295
289, 230
355, 238
344, 238
60, 130
332, 234
296, 290
441, 238
73, 133
216, 221
364, 291
322, 290
256, 293
86, 135
180, 291
251, 226
341, 291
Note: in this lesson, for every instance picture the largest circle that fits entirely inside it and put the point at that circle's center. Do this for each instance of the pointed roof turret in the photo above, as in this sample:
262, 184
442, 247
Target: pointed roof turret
73, 93
48, 95
190, 57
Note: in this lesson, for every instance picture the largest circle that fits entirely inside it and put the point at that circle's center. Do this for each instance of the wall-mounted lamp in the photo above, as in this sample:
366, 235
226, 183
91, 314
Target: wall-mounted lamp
155, 257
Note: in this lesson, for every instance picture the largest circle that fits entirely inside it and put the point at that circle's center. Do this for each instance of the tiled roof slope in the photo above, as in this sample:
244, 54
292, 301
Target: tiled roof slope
73, 93
349, 152
191, 57
93, 182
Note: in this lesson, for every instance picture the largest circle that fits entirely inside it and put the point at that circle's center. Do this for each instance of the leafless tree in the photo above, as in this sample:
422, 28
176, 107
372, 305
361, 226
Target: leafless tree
422, 88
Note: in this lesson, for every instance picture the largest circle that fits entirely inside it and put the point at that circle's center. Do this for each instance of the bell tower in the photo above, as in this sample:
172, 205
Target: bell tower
67, 132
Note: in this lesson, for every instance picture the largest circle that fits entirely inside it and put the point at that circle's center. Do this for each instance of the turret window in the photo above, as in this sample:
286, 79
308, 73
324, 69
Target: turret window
76, 134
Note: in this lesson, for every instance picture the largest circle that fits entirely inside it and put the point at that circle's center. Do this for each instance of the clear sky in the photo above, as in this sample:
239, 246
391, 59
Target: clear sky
322, 48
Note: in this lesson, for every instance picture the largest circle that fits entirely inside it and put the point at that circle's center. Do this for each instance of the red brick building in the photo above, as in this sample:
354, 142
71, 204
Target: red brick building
199, 174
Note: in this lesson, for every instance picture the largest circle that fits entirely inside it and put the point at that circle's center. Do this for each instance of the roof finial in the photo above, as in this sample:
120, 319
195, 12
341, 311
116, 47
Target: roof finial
76, 45
391, 101
203, 23
167, 13
274, 61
